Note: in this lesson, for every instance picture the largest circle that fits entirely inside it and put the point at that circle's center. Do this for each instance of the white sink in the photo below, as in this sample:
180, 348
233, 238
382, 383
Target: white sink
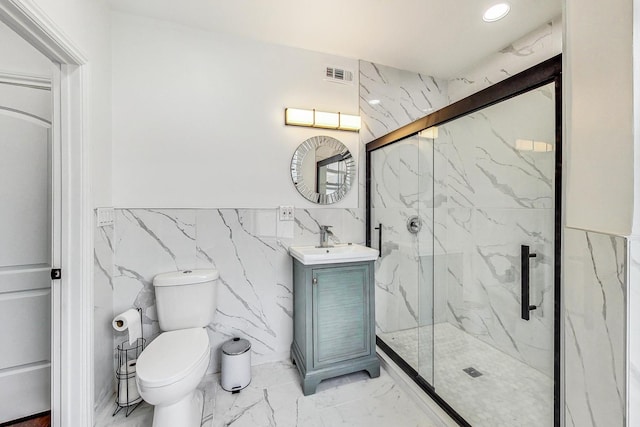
313, 255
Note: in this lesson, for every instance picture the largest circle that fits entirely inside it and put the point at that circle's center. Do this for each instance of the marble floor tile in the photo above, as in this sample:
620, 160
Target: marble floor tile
140, 417
509, 393
274, 398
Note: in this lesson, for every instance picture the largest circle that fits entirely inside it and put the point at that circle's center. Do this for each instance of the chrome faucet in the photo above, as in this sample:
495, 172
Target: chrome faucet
324, 235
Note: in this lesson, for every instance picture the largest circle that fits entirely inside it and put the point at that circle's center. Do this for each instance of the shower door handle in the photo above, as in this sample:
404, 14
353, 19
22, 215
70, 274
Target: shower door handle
524, 281
379, 228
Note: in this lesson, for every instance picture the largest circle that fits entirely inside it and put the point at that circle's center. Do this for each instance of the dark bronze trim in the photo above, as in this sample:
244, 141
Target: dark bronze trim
557, 265
367, 193
534, 77
422, 383
525, 306
539, 75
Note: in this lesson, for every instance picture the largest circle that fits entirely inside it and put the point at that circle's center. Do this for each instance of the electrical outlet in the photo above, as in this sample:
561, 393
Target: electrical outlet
104, 216
286, 213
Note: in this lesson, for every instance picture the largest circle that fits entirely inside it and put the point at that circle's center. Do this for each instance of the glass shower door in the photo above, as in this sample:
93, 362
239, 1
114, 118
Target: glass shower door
464, 215
402, 224
494, 353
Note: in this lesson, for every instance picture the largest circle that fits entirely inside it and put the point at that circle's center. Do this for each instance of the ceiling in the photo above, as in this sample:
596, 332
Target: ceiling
435, 37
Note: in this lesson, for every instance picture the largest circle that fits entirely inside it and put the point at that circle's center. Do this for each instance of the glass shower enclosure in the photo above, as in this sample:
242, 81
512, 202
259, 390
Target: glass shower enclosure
464, 207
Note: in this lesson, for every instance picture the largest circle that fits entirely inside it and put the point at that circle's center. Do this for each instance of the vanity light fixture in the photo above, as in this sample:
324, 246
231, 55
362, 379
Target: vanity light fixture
321, 119
496, 12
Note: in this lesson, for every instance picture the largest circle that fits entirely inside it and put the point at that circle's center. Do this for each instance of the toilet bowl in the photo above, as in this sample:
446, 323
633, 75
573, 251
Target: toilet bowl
168, 372
171, 367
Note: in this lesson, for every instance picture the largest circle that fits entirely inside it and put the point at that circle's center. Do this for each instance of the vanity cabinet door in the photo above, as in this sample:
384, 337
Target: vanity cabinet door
341, 314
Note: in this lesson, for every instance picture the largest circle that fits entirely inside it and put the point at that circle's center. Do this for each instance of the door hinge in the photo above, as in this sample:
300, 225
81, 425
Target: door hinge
56, 274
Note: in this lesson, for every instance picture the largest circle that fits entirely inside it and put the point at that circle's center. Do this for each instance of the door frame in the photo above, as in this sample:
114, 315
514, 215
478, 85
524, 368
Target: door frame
549, 71
72, 296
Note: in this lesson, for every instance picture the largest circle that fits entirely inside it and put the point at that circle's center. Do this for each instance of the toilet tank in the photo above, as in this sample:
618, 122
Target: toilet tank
186, 299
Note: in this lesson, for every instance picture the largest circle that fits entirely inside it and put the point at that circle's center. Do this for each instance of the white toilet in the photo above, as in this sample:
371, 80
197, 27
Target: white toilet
172, 366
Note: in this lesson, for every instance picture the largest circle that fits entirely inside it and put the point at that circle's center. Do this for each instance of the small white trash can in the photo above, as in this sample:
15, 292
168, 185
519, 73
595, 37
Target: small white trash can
236, 365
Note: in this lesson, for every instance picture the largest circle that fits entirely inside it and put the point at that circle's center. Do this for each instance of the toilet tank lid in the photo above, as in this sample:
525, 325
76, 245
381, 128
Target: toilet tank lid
185, 277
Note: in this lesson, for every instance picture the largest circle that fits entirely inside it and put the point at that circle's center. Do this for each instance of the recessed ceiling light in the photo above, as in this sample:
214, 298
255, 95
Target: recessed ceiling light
374, 102
496, 12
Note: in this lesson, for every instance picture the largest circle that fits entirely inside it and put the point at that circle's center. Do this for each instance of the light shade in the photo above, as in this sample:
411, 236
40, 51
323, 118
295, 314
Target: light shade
298, 117
321, 119
531, 145
326, 120
431, 133
349, 122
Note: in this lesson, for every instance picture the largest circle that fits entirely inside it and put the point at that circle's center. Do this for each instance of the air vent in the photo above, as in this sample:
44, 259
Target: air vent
339, 75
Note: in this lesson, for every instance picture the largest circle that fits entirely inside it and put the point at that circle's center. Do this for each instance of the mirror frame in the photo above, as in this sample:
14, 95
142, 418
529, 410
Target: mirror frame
307, 189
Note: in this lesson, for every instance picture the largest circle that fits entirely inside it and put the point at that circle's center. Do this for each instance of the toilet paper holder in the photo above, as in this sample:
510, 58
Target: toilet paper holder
127, 395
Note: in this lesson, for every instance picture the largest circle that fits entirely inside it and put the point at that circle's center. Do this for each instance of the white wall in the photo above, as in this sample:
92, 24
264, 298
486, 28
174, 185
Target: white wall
598, 98
198, 117
86, 23
19, 57
539, 45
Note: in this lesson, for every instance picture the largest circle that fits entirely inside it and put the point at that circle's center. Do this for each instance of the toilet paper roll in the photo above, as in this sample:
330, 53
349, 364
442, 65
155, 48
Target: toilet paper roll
128, 370
129, 320
128, 393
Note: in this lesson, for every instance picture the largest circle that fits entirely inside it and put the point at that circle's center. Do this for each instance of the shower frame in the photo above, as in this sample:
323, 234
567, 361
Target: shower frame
549, 71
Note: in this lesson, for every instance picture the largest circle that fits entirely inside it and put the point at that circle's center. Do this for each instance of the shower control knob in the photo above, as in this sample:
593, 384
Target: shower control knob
414, 224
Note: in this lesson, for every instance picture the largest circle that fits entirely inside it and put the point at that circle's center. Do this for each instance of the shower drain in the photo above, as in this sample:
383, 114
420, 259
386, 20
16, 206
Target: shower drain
472, 372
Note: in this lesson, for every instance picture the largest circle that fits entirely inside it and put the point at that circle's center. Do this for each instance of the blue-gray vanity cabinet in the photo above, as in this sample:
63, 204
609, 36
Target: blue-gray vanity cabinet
333, 321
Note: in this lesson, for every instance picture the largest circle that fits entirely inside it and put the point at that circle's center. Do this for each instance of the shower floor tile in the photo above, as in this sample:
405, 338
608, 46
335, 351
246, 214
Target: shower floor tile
274, 398
507, 393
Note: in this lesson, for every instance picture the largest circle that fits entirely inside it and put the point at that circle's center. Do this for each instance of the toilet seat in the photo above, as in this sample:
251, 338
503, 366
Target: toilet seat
172, 356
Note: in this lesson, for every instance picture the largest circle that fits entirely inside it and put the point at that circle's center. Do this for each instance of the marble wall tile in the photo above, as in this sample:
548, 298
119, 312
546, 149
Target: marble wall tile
402, 175
398, 193
148, 242
532, 49
404, 97
486, 168
246, 246
483, 282
397, 290
633, 333
595, 292
433, 302
348, 225
103, 314
254, 294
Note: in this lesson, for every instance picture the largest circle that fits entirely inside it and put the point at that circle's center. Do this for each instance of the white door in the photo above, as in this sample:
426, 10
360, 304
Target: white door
25, 250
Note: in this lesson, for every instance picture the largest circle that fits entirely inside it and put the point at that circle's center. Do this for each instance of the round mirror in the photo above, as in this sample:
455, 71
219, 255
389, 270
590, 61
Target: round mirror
323, 169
